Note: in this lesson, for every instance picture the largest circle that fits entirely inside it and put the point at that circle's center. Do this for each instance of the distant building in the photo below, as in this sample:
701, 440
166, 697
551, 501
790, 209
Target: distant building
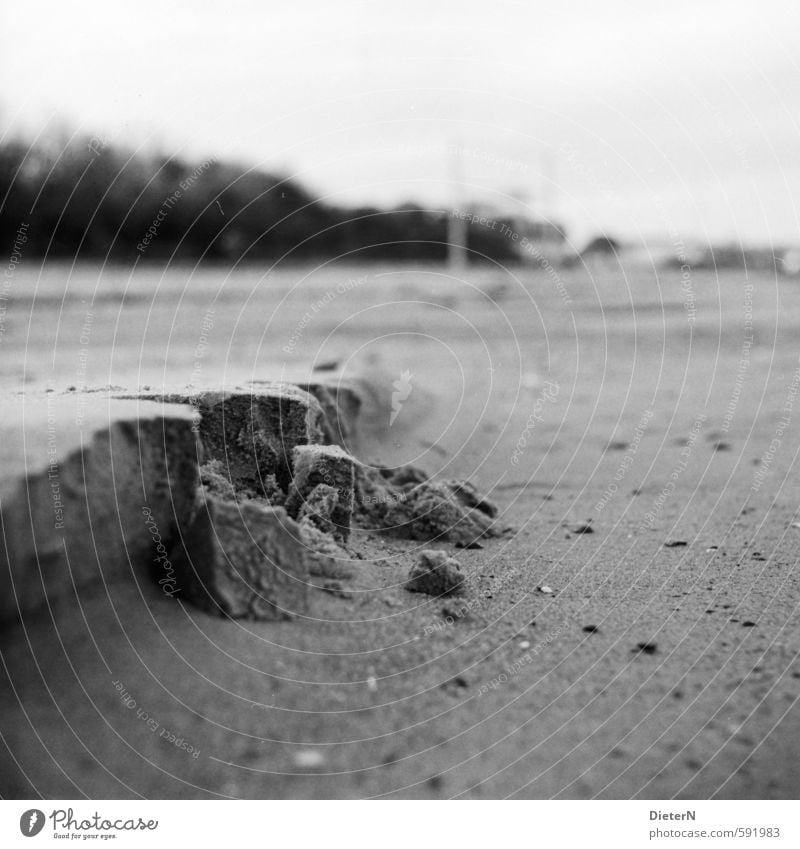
731, 256
602, 251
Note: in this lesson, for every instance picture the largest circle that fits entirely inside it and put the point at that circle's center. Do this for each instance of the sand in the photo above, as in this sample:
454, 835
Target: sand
653, 412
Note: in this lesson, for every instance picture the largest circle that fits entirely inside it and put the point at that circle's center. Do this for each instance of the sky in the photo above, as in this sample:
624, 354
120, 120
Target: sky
653, 121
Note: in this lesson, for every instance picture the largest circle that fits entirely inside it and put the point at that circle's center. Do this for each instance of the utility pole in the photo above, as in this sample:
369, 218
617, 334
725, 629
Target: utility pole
548, 191
457, 225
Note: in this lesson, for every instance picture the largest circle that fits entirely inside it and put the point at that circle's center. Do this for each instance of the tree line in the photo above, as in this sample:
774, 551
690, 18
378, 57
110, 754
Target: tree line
87, 198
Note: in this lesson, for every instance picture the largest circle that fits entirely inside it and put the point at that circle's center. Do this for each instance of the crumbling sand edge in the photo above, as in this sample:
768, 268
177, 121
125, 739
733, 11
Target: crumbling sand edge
228, 499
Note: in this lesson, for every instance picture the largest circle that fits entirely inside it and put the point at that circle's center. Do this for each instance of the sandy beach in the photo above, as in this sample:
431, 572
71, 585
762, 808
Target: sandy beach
633, 634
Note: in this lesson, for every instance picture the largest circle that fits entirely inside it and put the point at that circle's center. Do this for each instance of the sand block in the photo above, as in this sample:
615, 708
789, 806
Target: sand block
469, 497
435, 573
253, 432
319, 507
340, 399
322, 488
341, 402
443, 511
244, 560
403, 502
91, 486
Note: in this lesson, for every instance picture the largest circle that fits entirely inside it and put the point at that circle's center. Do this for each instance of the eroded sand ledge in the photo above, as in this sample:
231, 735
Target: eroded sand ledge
232, 501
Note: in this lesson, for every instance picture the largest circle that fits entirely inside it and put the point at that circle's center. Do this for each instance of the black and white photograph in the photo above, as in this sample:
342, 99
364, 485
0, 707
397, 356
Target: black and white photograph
400, 402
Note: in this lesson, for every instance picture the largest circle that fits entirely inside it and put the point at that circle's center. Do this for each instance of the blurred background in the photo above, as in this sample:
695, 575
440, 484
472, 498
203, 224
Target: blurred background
156, 162
646, 122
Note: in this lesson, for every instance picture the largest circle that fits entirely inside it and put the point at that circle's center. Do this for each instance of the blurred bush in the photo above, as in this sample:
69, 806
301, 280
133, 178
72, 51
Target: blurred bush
86, 198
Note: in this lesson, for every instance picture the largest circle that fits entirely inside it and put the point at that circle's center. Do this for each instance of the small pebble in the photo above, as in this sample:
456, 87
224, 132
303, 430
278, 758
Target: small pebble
336, 589
436, 574
545, 590
525, 644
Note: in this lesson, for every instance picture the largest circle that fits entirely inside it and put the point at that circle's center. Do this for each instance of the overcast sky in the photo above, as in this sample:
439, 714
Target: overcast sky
666, 120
